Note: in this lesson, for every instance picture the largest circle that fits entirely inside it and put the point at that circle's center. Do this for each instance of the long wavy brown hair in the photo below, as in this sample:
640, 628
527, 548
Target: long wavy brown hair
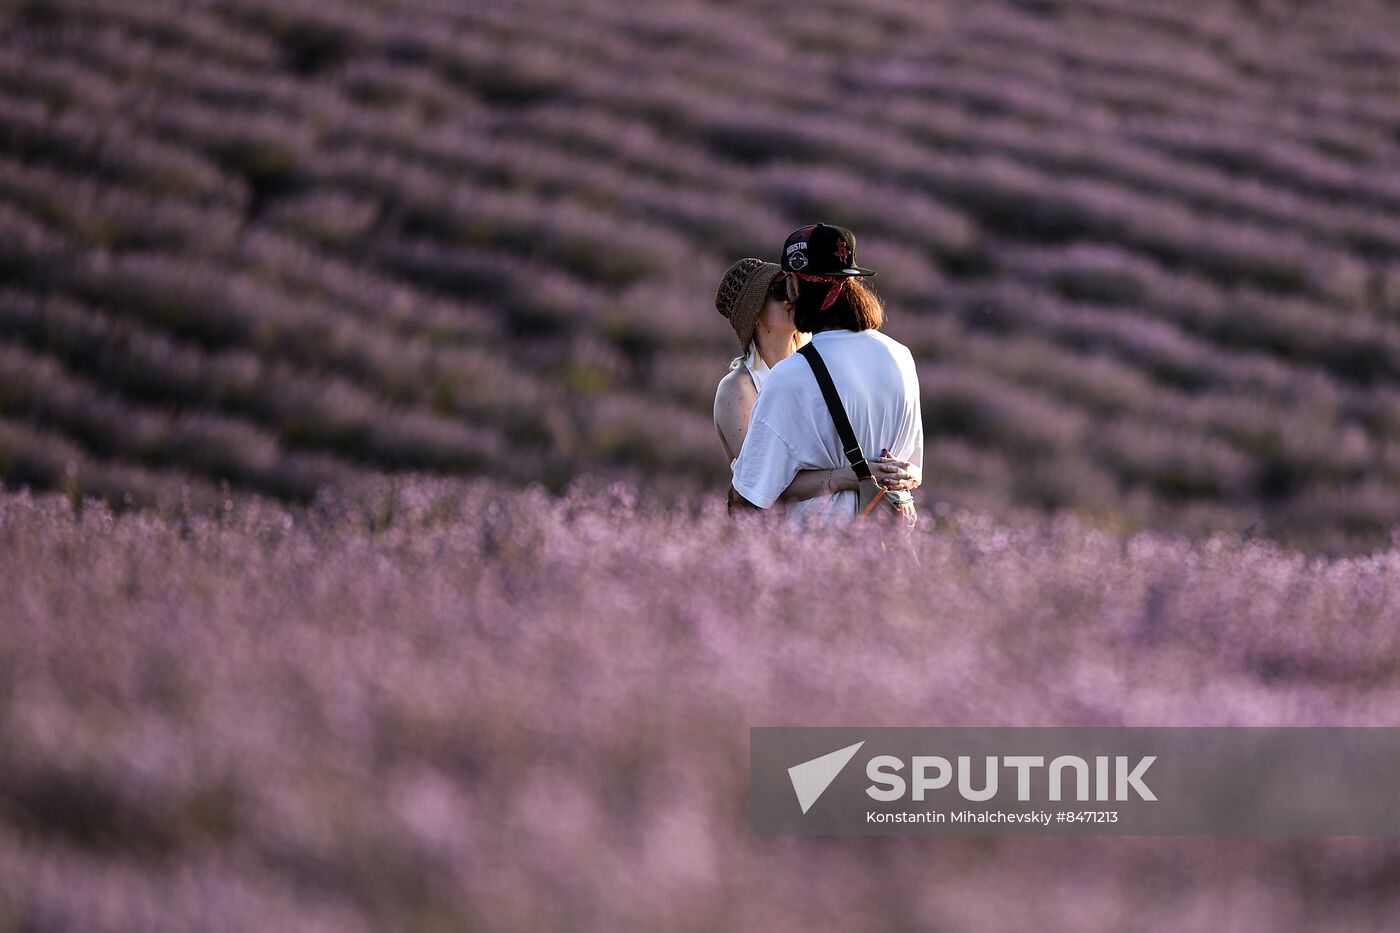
857, 307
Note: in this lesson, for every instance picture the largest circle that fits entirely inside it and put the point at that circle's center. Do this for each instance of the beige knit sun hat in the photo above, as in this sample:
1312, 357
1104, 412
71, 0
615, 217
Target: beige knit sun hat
742, 293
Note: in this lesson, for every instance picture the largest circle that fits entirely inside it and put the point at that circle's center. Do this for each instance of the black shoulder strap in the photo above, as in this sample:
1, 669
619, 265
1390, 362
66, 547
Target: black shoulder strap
838, 412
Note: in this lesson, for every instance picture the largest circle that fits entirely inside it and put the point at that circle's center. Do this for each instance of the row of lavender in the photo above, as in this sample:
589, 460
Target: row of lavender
442, 709
1146, 258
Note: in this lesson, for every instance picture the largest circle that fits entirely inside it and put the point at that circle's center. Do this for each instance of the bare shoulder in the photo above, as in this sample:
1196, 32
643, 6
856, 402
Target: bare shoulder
735, 389
734, 398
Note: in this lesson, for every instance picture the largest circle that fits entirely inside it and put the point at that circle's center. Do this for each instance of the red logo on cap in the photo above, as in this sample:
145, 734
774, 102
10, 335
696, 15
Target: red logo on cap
843, 253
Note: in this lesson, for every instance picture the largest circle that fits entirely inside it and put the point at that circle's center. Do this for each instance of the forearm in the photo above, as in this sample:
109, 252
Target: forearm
737, 503
808, 484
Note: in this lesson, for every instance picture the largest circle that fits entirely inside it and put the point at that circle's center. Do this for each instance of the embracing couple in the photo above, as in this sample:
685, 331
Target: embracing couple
814, 357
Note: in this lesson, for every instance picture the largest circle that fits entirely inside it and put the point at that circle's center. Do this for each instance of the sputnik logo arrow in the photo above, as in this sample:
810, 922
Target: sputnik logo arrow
811, 778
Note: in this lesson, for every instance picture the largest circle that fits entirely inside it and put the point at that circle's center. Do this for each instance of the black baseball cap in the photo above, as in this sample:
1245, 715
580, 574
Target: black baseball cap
821, 249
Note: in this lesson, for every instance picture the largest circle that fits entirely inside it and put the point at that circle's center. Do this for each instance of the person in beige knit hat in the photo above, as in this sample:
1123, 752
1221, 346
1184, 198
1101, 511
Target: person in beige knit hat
753, 296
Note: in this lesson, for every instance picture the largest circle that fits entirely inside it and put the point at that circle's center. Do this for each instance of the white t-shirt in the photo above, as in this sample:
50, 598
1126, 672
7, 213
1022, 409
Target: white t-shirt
791, 428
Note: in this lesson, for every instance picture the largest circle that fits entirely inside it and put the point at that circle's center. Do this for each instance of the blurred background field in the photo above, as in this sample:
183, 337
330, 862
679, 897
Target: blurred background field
259, 259
1145, 253
437, 709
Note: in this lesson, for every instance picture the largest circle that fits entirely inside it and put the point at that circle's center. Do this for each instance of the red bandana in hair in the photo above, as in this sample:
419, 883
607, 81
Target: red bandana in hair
835, 281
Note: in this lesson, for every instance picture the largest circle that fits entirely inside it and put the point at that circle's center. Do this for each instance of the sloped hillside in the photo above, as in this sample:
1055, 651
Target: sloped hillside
1146, 254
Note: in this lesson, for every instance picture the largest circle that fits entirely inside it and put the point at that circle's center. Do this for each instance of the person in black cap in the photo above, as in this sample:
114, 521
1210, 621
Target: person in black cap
791, 428
823, 255
752, 297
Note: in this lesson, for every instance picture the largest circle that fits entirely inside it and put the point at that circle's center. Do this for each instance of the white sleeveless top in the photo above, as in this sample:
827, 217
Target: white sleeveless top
757, 368
758, 372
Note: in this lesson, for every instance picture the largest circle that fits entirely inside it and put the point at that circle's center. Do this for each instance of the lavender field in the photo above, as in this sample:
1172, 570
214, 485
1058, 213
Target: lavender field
1145, 253
362, 556
438, 710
